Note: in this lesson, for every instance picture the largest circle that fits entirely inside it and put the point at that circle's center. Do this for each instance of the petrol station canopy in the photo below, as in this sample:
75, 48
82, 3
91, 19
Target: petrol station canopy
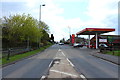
93, 31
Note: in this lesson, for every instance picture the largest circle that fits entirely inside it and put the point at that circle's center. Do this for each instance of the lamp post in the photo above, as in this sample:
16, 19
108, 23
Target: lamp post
69, 30
70, 33
40, 13
40, 21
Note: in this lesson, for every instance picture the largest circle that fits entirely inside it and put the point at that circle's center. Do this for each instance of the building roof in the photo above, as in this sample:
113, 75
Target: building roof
93, 31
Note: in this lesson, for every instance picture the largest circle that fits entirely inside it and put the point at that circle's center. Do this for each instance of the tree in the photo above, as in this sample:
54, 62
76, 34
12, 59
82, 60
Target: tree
52, 37
62, 40
44, 30
18, 29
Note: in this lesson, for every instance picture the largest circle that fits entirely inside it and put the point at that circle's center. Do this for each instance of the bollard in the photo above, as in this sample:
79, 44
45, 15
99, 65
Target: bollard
9, 50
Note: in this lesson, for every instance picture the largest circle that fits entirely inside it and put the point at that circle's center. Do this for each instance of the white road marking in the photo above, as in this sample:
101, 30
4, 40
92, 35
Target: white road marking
70, 62
82, 76
64, 73
63, 53
64, 63
59, 50
50, 63
56, 62
56, 58
43, 77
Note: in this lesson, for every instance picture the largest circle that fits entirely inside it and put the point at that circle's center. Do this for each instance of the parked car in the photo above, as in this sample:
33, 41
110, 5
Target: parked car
104, 47
77, 45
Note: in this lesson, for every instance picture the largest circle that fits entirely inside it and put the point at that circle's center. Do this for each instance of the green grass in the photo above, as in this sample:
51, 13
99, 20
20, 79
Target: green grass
20, 56
115, 53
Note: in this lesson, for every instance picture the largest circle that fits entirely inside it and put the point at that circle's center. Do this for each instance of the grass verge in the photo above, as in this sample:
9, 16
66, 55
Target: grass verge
115, 53
21, 56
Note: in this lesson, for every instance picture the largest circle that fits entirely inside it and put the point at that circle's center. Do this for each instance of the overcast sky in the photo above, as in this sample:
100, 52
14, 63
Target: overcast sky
59, 14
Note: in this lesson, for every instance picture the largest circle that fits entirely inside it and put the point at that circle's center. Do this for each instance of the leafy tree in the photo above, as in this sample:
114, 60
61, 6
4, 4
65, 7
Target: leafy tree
52, 38
19, 28
44, 30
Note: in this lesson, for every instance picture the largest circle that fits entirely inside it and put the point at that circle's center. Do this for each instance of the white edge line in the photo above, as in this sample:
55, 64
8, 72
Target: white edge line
43, 77
83, 77
63, 53
50, 63
70, 62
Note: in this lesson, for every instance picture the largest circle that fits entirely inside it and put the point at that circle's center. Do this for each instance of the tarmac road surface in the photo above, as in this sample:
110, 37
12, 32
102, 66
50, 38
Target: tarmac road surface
90, 66
33, 67
36, 66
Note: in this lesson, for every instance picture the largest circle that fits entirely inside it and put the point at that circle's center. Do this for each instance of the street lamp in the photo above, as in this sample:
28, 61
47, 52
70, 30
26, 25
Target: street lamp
40, 13
40, 21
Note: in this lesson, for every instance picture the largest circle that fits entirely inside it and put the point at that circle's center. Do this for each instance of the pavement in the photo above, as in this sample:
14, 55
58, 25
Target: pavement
110, 58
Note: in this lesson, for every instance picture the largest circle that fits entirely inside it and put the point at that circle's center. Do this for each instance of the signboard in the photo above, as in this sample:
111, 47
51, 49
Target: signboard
73, 38
102, 40
110, 39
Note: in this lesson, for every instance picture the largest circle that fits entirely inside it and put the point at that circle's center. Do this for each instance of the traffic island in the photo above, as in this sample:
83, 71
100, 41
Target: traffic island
62, 68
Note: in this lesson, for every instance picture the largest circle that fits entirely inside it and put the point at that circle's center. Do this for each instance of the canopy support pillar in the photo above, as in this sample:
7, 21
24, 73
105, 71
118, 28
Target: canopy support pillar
96, 41
89, 41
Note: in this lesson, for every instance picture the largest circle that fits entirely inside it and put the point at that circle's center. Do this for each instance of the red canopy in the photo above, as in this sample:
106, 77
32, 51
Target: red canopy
93, 31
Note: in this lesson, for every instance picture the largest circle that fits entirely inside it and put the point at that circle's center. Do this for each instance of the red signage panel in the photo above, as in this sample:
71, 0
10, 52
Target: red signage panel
73, 38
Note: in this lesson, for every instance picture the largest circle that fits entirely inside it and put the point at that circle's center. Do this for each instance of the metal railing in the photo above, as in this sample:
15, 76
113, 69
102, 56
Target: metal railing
15, 51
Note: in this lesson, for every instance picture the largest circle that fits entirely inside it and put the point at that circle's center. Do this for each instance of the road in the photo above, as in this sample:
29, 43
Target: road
33, 67
90, 66
36, 66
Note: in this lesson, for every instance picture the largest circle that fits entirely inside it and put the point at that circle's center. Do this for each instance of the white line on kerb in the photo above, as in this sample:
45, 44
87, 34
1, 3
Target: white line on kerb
64, 73
70, 62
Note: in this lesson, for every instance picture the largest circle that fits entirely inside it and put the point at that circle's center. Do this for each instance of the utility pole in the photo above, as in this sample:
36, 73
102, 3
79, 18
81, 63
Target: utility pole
69, 33
40, 21
69, 30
